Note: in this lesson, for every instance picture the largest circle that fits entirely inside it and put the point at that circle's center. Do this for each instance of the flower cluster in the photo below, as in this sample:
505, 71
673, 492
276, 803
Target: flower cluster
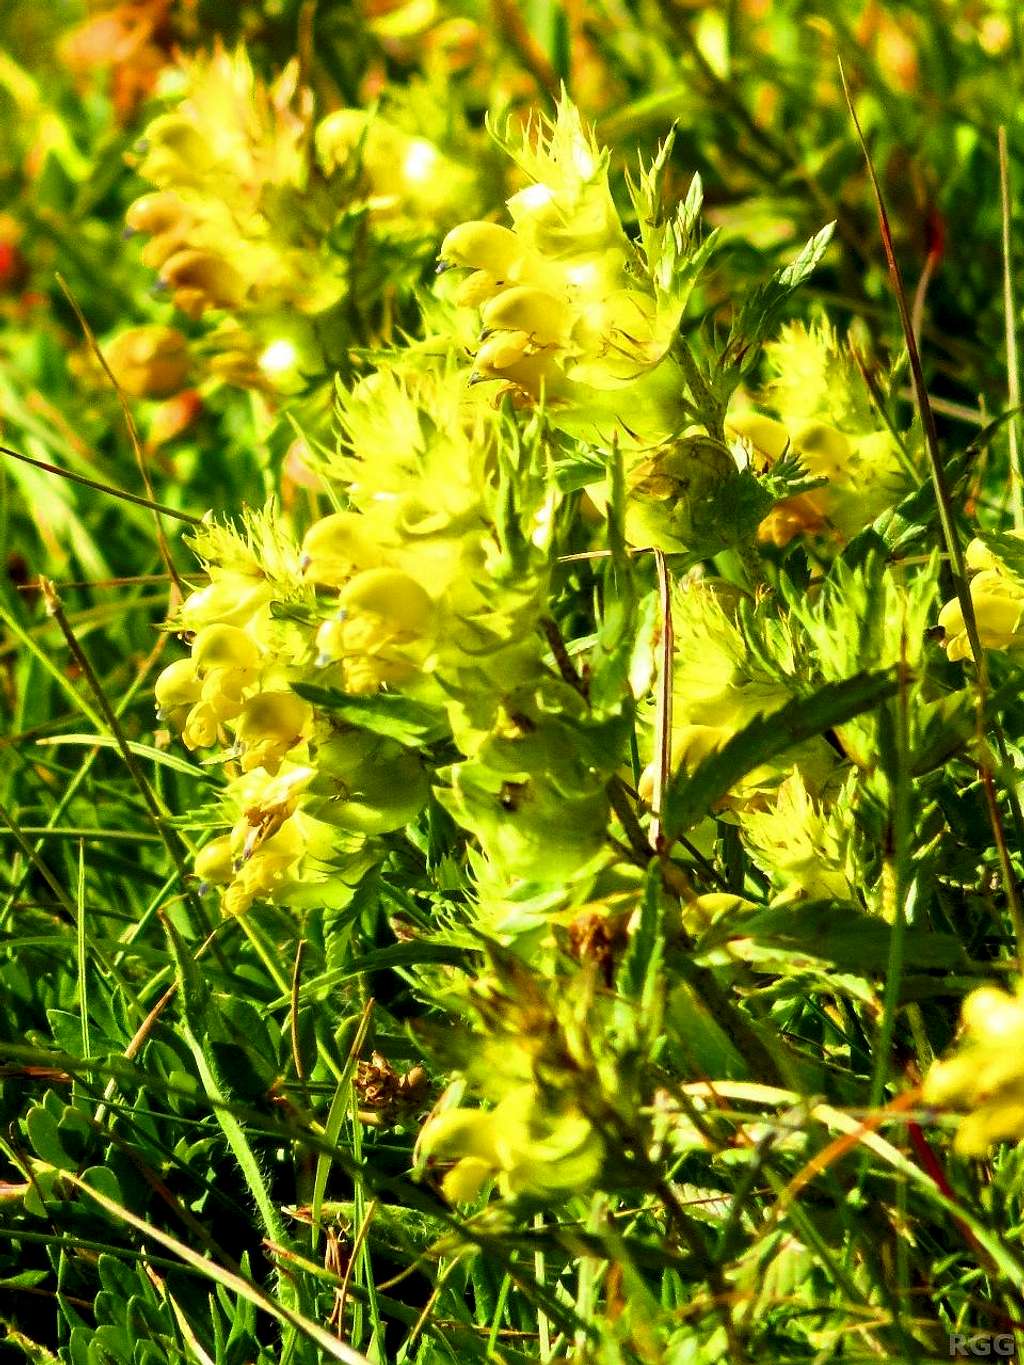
251, 204
403, 591
826, 418
573, 314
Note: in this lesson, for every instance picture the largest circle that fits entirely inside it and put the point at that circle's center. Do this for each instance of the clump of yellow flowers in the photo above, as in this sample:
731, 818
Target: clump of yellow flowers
985, 1075
249, 190
414, 614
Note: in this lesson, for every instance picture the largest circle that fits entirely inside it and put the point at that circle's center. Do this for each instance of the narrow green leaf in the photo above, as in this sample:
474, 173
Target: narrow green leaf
691, 795
383, 713
159, 756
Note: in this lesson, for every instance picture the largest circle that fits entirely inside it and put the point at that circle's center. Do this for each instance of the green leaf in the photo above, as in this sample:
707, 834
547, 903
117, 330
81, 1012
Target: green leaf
158, 756
837, 933
691, 795
642, 957
44, 1135
761, 308
1008, 549
382, 713
415, 954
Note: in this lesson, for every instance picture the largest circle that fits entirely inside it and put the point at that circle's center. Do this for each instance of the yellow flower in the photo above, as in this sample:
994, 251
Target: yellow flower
382, 613
336, 547
229, 163
268, 725
177, 690
986, 1075
998, 600
526, 1150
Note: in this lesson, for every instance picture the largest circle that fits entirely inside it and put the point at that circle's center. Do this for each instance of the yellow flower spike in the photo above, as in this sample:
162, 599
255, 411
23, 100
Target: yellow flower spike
268, 725
227, 164
337, 547
575, 315
214, 862
149, 362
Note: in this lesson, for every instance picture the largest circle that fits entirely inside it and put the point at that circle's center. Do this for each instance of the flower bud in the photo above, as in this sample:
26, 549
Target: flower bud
149, 362
215, 861
222, 647
201, 279
484, 246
